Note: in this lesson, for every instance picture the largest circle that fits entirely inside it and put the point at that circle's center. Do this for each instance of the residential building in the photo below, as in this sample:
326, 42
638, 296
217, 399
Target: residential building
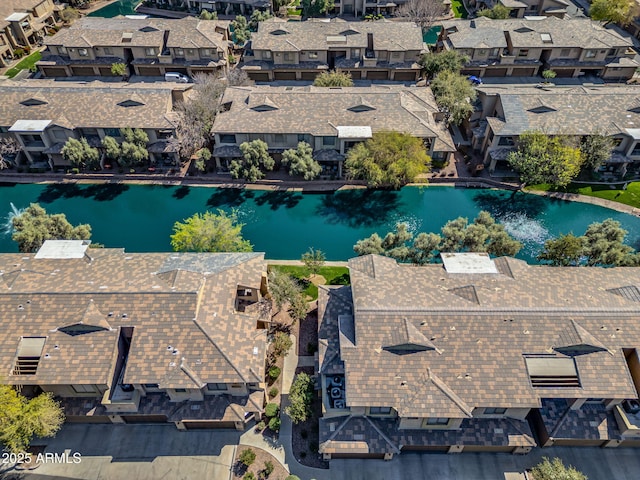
526, 47
41, 116
503, 116
24, 23
362, 7
136, 337
379, 50
520, 8
331, 120
477, 355
149, 47
226, 7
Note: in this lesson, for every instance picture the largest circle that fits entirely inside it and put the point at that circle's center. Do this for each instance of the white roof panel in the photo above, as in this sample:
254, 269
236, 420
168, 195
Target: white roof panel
56, 249
16, 17
354, 132
29, 125
634, 132
468, 263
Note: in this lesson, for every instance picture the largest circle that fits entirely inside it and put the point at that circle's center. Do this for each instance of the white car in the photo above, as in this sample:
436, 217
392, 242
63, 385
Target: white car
176, 77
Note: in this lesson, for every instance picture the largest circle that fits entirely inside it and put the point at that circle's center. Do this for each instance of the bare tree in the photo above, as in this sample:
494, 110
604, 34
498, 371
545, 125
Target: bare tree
238, 78
8, 149
197, 113
423, 12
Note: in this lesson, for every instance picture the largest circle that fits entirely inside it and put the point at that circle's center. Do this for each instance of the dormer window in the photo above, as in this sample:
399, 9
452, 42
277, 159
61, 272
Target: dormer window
83, 52
29, 354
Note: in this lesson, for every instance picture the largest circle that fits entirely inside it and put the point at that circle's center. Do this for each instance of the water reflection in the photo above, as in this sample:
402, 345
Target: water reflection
359, 208
103, 192
229, 197
279, 198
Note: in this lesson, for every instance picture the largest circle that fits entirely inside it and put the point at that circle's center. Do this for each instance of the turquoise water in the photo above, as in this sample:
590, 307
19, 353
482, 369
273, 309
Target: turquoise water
285, 224
121, 7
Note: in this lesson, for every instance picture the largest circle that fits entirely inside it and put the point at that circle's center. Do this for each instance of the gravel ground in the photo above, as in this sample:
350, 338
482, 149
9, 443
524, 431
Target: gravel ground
239, 470
308, 334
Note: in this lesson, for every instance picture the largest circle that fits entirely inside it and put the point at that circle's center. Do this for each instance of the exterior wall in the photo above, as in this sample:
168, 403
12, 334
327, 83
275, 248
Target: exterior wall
68, 391
421, 424
190, 394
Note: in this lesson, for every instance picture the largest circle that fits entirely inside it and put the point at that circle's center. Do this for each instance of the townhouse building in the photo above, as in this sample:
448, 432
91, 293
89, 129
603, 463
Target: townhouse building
477, 354
42, 116
24, 23
526, 47
149, 47
135, 337
502, 116
331, 120
378, 50
227, 7
520, 8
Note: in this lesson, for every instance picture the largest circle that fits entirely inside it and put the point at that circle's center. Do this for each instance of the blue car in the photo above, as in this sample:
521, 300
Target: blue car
475, 80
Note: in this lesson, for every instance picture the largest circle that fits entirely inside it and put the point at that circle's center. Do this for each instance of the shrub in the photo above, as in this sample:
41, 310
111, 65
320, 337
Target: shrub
268, 468
555, 470
271, 410
273, 392
274, 424
274, 372
247, 457
300, 396
249, 476
292, 477
261, 426
281, 344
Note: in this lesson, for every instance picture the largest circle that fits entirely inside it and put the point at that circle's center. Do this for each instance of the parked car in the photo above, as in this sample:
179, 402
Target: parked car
176, 77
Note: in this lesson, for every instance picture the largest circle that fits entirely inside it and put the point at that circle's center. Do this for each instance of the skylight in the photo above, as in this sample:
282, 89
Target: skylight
547, 371
29, 353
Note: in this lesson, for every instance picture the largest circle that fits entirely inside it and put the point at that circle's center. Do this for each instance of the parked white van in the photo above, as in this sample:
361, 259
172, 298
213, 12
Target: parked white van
175, 77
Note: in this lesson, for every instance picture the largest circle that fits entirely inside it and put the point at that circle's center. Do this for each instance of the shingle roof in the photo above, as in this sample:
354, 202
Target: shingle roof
318, 111
186, 330
321, 35
567, 110
65, 105
479, 359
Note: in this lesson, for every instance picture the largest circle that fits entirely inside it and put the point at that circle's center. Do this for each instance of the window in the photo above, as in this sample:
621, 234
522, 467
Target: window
179, 52
312, 55
227, 138
216, 387
379, 410
355, 53
60, 134
266, 54
4, 129
494, 411
149, 51
303, 138
180, 390
328, 141
112, 132
565, 52
206, 52
523, 52
278, 138
108, 51
481, 52
150, 385
288, 56
83, 388
636, 150
590, 54
506, 141
437, 421
495, 52
612, 52
191, 51
83, 52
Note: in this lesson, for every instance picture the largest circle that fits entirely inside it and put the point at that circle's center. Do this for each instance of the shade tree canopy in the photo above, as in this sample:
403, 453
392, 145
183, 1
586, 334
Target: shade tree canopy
254, 162
300, 161
210, 232
454, 95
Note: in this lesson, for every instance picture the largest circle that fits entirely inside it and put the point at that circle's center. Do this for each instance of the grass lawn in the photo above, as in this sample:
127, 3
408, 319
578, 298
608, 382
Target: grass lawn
24, 64
630, 196
458, 9
333, 276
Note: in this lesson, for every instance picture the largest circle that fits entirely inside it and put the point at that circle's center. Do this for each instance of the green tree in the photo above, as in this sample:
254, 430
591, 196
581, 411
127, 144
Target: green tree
454, 95
315, 8
132, 154
333, 79
564, 251
33, 226
247, 457
80, 154
447, 60
281, 344
298, 307
69, 15
271, 409
548, 75
111, 148
255, 159
604, 245
22, 419
292, 477
202, 157
210, 232
136, 136
617, 11
544, 159
241, 30
283, 288
596, 149
300, 161
388, 159
498, 12
425, 247
119, 69
313, 260
555, 470
207, 15
369, 246
256, 17
300, 398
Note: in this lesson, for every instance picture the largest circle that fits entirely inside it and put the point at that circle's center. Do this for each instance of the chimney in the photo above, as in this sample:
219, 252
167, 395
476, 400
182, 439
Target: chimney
370, 41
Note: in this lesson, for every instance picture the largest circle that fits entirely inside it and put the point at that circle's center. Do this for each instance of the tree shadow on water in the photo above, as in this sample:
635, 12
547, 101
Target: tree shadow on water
359, 208
230, 197
499, 203
105, 192
102, 192
181, 192
277, 198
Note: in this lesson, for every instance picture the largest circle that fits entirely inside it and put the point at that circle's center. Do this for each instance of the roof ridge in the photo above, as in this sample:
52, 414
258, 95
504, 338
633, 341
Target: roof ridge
191, 374
382, 434
340, 427
449, 393
213, 342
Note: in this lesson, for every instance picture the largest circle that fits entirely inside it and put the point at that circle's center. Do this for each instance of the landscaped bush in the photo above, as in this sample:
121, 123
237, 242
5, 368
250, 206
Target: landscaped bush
274, 372
274, 424
281, 344
268, 468
249, 476
261, 425
273, 392
271, 410
247, 457
292, 477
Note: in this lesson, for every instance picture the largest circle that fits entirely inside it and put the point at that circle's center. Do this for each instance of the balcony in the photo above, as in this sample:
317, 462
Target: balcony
33, 144
165, 57
507, 59
120, 399
628, 418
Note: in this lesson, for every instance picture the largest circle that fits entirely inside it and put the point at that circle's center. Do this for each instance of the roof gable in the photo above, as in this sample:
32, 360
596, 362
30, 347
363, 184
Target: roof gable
408, 339
576, 340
